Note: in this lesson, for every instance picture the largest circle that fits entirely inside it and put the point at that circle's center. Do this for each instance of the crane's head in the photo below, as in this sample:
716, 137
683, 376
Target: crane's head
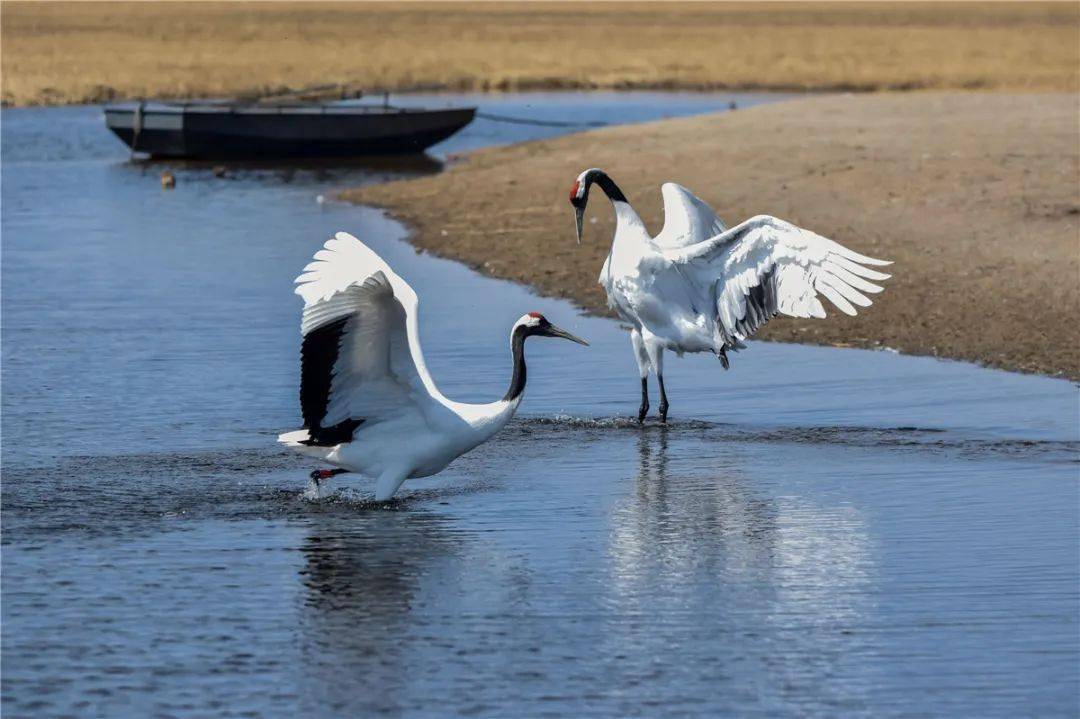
579, 196
535, 323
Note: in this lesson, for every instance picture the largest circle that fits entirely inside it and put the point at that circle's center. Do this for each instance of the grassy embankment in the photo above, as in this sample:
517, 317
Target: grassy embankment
56, 53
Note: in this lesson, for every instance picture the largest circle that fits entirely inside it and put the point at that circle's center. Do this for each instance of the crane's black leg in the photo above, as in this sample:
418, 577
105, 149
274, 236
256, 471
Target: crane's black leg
644, 408
663, 399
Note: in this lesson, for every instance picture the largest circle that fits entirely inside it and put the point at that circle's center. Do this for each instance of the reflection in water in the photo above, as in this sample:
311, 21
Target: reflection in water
316, 171
822, 580
675, 527
365, 578
695, 545
806, 560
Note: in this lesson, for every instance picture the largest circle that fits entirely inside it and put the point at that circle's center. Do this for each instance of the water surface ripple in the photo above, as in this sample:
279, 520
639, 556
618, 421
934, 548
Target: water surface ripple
818, 532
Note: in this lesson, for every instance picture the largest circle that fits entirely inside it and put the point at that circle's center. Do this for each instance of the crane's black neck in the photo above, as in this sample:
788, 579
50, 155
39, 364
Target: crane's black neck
606, 184
517, 347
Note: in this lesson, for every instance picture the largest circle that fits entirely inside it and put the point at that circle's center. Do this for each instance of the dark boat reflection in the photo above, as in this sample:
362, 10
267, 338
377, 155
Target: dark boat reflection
420, 163
355, 170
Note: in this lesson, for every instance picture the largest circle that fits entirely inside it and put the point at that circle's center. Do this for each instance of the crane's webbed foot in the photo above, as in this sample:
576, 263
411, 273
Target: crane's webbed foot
316, 489
644, 408
663, 400
326, 473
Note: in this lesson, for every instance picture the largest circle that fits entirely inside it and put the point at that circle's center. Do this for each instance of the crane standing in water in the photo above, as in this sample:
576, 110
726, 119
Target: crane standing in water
698, 286
368, 401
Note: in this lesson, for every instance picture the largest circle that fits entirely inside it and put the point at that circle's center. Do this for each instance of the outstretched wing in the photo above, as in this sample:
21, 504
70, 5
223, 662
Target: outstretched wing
766, 266
687, 219
361, 359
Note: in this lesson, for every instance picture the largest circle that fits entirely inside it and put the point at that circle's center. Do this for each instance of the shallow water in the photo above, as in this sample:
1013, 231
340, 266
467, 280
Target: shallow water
818, 532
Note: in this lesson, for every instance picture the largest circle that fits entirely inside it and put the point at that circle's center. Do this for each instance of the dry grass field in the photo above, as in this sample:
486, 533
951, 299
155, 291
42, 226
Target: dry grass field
81, 52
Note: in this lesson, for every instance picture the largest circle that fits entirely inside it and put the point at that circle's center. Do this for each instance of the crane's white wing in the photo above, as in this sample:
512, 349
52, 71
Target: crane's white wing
361, 356
766, 266
687, 219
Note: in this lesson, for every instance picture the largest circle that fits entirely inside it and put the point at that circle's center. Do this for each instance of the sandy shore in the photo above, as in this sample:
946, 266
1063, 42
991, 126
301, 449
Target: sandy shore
63, 52
974, 196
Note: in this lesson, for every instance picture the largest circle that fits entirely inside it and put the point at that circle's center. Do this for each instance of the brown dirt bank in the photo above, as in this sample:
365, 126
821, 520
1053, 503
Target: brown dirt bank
976, 198
54, 53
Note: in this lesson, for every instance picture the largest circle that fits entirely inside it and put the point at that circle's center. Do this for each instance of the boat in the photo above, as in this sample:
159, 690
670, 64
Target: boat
226, 130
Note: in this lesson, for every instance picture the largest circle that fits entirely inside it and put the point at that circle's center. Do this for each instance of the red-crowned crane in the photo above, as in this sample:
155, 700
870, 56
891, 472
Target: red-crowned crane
701, 287
368, 401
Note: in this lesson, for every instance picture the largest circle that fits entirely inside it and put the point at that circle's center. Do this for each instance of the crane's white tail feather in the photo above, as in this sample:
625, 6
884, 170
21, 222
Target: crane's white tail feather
294, 438
295, 441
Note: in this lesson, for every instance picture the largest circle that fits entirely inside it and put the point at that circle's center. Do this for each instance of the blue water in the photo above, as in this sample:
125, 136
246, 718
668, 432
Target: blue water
819, 532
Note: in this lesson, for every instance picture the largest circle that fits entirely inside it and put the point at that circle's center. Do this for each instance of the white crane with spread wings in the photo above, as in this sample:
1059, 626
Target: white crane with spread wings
368, 401
701, 287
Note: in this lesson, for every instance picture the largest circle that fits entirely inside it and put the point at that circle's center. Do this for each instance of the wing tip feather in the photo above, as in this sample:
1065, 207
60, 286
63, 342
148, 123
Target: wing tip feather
863, 259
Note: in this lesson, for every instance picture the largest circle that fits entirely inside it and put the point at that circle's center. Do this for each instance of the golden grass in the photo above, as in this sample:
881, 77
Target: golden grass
80, 52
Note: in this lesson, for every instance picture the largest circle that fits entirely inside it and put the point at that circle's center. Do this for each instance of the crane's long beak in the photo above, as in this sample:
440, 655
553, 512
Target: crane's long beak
579, 215
554, 331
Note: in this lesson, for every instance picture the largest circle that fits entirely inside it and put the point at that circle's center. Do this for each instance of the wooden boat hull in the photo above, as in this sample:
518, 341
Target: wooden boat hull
224, 132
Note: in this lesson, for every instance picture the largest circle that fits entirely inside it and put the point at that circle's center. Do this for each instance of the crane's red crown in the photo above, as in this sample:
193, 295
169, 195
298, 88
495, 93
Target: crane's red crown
574, 189
537, 315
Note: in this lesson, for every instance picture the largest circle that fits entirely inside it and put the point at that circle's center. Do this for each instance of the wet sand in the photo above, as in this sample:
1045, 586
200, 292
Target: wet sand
974, 196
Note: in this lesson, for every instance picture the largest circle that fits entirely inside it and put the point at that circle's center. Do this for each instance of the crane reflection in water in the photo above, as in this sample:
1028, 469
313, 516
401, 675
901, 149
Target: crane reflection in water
689, 567
779, 583
366, 583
